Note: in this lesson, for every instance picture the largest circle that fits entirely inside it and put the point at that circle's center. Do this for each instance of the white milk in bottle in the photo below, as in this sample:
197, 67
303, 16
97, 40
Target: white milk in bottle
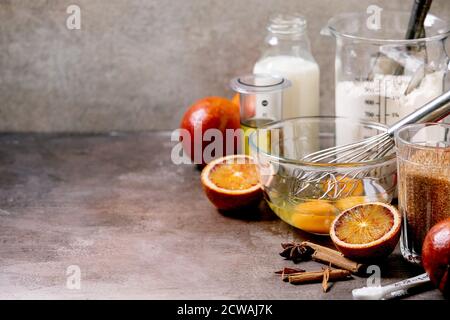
302, 99
288, 55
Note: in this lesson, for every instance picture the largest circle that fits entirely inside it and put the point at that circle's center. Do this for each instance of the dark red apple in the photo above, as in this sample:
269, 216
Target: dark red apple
436, 255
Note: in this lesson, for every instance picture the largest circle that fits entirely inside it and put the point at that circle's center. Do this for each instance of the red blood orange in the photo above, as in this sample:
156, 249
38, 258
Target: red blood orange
232, 182
436, 255
367, 232
209, 113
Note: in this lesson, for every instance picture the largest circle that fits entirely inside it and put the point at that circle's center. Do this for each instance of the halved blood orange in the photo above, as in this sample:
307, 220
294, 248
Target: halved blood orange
232, 182
367, 232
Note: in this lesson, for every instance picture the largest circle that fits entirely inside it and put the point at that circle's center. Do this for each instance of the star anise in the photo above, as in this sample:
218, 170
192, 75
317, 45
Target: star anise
297, 252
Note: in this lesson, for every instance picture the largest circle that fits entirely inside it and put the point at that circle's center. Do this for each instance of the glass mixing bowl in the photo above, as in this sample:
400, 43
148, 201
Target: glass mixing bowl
308, 195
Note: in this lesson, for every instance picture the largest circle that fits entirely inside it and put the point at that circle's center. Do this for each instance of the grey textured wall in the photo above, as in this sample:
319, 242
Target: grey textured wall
138, 64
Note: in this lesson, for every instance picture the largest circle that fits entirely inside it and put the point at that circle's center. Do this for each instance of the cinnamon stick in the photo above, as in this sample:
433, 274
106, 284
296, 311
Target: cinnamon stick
285, 277
318, 276
326, 278
333, 257
289, 271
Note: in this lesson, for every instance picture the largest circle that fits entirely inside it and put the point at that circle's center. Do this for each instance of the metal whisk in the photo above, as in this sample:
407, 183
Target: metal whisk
366, 150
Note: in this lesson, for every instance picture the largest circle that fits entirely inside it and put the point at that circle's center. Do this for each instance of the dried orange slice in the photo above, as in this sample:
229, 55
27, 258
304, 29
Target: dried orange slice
368, 231
232, 182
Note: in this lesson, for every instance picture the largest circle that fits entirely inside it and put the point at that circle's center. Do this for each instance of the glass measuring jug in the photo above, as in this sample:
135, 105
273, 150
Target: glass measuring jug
380, 76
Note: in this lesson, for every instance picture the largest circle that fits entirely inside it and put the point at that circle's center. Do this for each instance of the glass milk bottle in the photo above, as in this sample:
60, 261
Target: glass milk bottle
288, 55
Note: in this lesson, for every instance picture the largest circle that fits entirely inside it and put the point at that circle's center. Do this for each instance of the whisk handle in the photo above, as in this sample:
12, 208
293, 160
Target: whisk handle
433, 111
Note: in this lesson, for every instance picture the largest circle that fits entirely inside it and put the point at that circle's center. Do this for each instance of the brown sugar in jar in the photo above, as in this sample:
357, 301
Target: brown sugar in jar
424, 193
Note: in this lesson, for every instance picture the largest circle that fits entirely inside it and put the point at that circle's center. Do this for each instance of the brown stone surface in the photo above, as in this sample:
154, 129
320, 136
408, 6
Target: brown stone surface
137, 226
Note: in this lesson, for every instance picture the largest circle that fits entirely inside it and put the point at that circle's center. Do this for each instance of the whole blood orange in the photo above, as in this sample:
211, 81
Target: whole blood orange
232, 182
249, 111
209, 113
236, 99
367, 232
436, 255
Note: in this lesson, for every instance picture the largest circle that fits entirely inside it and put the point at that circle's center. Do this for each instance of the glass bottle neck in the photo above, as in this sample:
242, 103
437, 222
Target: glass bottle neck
288, 35
292, 26
273, 37
292, 45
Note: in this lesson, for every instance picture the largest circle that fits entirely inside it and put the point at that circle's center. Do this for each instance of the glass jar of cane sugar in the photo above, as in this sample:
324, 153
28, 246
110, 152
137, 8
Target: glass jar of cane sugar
423, 153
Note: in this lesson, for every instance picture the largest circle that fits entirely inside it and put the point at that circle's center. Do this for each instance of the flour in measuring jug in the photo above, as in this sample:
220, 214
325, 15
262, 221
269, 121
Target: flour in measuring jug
383, 99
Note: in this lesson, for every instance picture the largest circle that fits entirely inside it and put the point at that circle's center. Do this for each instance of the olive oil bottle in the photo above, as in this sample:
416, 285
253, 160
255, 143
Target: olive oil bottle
262, 139
261, 97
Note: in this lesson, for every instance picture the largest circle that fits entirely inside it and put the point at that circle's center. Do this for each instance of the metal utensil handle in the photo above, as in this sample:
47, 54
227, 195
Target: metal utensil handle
435, 110
407, 284
418, 14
